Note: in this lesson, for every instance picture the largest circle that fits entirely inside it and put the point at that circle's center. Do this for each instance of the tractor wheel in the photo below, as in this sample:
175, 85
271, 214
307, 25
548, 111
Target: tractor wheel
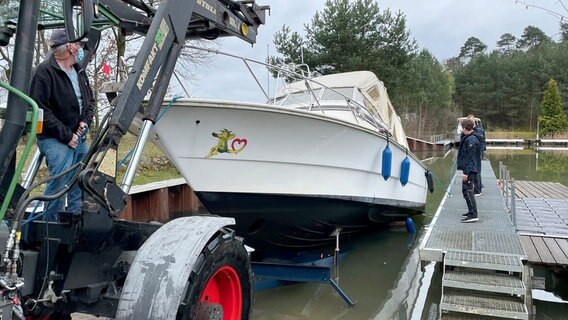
219, 286
190, 268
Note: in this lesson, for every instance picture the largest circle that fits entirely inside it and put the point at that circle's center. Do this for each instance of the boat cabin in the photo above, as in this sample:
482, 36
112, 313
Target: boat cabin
358, 97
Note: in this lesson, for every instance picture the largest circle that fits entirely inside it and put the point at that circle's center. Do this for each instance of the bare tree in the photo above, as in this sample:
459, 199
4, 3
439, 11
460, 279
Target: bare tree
559, 13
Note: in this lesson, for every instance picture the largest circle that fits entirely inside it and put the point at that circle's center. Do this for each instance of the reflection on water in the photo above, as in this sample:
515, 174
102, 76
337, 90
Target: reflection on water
527, 164
367, 275
382, 272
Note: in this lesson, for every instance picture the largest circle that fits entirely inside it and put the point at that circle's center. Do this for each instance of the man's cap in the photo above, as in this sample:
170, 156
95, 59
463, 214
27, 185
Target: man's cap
59, 37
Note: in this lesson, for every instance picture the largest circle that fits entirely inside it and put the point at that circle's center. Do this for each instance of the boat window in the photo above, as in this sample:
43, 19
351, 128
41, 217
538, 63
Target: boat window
337, 94
300, 97
374, 93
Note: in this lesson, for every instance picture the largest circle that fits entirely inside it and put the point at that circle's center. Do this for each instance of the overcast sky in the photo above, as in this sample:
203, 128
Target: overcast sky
441, 26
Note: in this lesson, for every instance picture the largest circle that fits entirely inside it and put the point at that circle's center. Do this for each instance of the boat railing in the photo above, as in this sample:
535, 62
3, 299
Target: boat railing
288, 72
293, 71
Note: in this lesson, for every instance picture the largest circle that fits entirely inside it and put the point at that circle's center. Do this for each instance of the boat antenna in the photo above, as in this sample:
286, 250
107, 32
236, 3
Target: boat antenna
302, 53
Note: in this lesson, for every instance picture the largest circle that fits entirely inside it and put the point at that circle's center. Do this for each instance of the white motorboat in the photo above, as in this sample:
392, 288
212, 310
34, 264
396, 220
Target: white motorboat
291, 172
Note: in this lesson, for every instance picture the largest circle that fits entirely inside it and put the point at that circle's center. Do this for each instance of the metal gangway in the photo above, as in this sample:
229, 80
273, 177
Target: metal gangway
484, 276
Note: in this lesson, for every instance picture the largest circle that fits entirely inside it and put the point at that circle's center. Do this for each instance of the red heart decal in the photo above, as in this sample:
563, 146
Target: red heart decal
241, 143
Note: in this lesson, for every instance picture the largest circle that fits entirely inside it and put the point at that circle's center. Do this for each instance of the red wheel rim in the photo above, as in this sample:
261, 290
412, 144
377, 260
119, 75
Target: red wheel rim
224, 288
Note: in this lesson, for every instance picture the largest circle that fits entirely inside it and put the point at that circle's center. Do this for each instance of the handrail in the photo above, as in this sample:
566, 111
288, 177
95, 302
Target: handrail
508, 191
27, 148
285, 71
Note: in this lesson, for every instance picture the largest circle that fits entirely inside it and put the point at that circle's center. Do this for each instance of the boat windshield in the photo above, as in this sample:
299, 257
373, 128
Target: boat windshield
307, 96
337, 94
300, 97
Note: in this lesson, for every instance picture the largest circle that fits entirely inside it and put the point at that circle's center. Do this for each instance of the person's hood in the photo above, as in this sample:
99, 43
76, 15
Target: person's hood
478, 134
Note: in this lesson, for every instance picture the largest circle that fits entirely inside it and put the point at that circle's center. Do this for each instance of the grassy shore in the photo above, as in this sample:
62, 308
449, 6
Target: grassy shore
153, 166
490, 134
510, 135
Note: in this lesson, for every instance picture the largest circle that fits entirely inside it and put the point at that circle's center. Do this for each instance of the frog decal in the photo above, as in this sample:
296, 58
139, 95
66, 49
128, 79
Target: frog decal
225, 136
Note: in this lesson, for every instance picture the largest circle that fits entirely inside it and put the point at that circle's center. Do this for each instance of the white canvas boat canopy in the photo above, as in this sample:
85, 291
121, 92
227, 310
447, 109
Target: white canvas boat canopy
376, 101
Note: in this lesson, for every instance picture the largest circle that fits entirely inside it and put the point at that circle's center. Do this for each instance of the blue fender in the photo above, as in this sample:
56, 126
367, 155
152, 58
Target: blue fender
404, 171
387, 162
410, 227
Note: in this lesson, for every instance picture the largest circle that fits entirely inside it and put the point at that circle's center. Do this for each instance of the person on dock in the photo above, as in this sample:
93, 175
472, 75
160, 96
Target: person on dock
469, 161
480, 133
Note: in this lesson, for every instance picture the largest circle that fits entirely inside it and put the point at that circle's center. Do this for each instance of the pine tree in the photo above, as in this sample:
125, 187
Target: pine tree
552, 118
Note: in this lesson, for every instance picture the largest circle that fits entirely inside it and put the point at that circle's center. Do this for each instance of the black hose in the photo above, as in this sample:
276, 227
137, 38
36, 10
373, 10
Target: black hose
22, 205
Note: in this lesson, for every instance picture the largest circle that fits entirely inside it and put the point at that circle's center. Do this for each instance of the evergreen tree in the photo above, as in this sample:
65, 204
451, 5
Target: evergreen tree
427, 95
506, 42
552, 118
472, 47
564, 31
351, 35
532, 37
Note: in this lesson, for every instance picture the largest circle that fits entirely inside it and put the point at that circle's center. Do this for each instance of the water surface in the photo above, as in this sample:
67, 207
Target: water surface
382, 272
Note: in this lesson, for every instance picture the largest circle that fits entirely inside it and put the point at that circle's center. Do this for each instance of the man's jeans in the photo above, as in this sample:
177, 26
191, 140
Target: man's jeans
59, 157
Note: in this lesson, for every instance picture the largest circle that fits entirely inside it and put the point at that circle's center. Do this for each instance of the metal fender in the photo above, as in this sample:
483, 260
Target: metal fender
158, 276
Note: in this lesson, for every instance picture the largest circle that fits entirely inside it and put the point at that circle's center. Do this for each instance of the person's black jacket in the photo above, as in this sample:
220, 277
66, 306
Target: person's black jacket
480, 132
53, 91
469, 154
479, 135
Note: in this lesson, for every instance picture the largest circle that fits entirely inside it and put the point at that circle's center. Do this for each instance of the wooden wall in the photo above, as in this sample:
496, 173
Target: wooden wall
161, 201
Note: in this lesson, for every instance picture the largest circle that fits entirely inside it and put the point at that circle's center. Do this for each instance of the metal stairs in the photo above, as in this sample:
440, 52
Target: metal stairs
483, 286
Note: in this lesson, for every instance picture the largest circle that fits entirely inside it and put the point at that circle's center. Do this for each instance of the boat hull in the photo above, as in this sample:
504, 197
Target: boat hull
297, 222
288, 170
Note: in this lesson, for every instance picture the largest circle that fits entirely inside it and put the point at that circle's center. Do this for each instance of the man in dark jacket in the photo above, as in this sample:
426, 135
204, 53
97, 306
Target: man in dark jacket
468, 162
61, 88
480, 133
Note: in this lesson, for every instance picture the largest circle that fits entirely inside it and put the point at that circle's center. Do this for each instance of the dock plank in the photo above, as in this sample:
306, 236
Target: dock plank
546, 188
556, 251
530, 249
539, 189
521, 193
563, 244
543, 250
554, 190
562, 190
523, 189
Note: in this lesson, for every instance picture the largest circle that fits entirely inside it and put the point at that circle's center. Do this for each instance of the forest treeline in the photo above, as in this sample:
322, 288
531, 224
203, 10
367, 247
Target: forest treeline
503, 86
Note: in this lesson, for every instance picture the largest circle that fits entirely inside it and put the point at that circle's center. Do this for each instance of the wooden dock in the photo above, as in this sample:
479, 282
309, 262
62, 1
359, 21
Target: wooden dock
527, 143
415, 144
541, 220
